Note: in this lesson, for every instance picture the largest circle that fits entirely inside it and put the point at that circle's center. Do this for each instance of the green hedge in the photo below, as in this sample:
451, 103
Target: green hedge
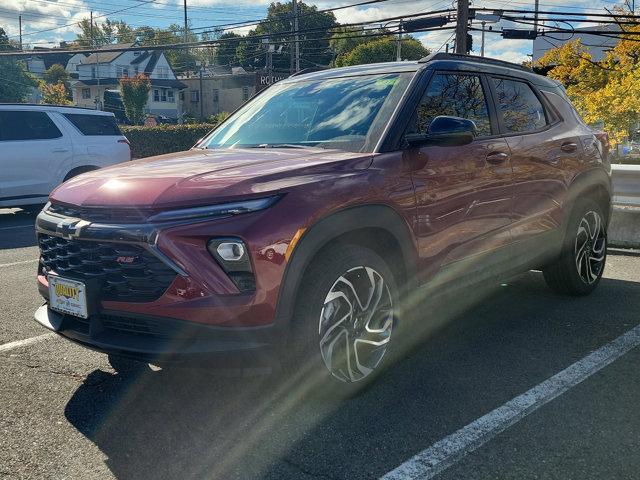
149, 141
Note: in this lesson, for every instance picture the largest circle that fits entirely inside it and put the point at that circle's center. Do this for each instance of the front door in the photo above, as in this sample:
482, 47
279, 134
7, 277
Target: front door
463, 193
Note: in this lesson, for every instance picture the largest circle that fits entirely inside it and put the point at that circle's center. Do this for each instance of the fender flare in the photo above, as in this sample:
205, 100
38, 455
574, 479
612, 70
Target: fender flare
333, 226
586, 183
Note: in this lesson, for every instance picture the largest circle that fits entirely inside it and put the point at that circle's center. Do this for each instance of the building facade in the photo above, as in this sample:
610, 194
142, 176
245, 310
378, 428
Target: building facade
99, 72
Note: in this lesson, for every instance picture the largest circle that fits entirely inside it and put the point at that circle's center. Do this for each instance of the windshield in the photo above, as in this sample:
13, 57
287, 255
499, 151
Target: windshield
343, 113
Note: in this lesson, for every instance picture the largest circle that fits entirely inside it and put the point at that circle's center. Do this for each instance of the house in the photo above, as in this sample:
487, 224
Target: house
221, 89
38, 64
102, 71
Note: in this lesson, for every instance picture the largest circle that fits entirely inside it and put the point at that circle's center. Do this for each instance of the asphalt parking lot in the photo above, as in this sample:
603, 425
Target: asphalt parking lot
66, 414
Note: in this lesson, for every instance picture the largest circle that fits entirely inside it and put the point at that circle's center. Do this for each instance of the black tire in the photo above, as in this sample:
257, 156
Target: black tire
77, 171
313, 341
127, 367
569, 275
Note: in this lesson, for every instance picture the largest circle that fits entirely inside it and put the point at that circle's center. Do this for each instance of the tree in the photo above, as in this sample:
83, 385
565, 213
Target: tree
56, 73
605, 91
103, 33
382, 50
226, 50
54, 94
135, 95
15, 82
314, 43
345, 39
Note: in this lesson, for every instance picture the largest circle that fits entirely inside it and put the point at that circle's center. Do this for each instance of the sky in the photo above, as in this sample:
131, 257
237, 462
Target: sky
47, 22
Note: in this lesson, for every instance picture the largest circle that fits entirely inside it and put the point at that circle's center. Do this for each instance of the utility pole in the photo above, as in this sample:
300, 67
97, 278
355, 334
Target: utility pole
482, 43
295, 48
462, 26
399, 44
186, 32
20, 26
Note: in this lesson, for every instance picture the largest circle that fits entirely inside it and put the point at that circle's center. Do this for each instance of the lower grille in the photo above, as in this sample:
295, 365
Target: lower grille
125, 272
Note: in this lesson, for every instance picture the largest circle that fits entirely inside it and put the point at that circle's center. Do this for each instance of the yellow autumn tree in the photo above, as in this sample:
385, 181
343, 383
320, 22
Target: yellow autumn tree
606, 91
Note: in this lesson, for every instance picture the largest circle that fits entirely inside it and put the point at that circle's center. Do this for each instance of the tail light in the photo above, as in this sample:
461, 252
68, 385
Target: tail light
126, 141
603, 138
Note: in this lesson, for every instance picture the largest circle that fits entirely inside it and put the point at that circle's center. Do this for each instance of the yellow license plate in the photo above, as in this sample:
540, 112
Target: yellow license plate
67, 296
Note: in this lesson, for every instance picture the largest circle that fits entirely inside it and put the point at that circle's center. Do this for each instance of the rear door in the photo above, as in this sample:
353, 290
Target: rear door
97, 139
463, 193
541, 147
31, 149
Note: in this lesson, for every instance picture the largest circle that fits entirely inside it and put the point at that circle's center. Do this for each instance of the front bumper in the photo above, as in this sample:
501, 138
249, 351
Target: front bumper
164, 340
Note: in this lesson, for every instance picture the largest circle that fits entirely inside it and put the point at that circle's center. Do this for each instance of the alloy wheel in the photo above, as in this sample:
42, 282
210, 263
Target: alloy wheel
356, 324
590, 247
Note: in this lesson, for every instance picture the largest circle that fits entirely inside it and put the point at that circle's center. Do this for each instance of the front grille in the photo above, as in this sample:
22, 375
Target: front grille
133, 326
101, 214
125, 272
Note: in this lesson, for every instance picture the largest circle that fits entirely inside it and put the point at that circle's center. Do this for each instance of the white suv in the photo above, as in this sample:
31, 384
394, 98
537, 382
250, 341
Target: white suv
41, 146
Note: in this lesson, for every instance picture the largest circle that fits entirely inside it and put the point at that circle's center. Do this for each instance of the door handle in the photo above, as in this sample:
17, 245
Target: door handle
59, 150
569, 147
496, 158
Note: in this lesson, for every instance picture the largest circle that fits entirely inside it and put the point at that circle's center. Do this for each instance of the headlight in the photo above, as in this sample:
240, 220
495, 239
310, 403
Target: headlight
220, 210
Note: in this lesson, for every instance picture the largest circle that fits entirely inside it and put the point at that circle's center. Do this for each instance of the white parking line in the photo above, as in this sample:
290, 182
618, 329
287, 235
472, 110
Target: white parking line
444, 453
27, 341
18, 263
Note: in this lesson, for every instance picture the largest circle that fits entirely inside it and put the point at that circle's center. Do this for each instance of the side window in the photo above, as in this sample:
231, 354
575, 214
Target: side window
94, 124
520, 107
457, 95
26, 125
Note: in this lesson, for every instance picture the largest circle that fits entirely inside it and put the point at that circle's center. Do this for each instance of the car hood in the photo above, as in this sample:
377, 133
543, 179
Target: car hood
198, 177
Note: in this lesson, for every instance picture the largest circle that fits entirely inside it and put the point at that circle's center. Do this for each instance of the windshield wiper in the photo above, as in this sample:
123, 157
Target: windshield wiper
281, 145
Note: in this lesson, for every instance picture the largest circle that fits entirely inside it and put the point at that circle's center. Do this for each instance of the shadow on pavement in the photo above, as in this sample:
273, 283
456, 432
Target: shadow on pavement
186, 424
17, 229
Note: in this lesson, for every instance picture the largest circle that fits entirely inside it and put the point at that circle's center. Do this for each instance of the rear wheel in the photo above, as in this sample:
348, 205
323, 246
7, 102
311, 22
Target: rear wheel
344, 321
581, 264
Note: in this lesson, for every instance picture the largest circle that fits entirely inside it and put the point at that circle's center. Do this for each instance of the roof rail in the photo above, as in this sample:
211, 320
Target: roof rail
472, 58
307, 70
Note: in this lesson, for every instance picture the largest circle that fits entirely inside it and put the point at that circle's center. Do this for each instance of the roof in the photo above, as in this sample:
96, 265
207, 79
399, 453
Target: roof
55, 108
106, 57
51, 58
444, 61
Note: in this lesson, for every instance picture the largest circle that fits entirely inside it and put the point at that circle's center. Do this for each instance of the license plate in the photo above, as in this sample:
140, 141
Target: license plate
67, 296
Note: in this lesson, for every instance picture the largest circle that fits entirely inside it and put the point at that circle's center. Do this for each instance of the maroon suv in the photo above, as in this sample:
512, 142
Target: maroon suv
301, 227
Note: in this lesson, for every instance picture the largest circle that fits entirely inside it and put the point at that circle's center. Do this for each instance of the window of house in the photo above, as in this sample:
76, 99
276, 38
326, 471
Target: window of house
93, 72
245, 93
122, 71
521, 109
195, 96
26, 125
86, 93
136, 70
455, 95
156, 95
162, 72
170, 96
216, 95
182, 96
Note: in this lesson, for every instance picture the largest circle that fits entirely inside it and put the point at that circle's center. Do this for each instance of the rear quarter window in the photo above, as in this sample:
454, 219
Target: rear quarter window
100, 125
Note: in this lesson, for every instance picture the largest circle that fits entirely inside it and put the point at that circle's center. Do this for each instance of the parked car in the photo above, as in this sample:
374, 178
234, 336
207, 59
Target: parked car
42, 146
305, 228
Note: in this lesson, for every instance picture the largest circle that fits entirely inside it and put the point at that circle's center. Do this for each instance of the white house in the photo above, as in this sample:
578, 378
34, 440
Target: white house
102, 71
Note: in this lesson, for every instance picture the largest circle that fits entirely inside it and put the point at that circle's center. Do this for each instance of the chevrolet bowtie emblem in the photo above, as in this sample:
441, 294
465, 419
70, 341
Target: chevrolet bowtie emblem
71, 228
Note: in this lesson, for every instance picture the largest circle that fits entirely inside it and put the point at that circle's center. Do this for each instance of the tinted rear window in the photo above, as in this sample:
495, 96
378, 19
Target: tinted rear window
26, 125
94, 124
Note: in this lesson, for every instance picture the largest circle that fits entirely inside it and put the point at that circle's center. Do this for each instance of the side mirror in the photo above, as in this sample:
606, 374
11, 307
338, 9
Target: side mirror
445, 131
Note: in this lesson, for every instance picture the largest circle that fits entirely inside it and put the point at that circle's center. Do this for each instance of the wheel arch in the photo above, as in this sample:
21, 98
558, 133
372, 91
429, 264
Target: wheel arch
594, 184
378, 227
78, 170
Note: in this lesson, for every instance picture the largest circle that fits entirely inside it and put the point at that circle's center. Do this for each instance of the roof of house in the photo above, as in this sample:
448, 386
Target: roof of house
106, 57
52, 58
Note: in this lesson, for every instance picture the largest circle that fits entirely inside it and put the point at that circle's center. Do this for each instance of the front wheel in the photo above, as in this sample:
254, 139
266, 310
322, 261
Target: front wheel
581, 264
345, 319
